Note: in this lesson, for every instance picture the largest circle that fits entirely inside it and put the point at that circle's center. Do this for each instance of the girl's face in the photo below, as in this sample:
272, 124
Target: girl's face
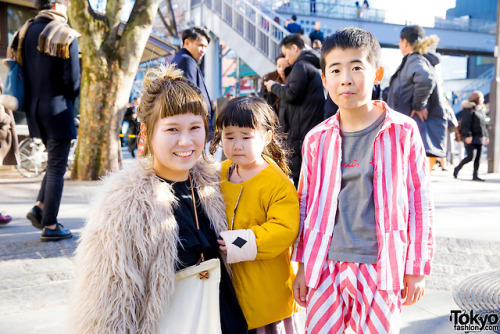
177, 143
244, 146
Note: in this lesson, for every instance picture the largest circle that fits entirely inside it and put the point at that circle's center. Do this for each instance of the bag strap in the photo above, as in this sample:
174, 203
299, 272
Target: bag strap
202, 258
15, 47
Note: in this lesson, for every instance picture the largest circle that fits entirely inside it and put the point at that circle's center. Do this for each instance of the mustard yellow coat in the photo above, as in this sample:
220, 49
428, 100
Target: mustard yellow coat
267, 204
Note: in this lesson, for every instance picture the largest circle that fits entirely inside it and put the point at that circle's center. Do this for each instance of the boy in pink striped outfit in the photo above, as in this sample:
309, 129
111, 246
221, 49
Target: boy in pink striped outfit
365, 242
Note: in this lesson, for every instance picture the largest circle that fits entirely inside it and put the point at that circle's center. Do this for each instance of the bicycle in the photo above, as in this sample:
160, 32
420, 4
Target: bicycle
34, 157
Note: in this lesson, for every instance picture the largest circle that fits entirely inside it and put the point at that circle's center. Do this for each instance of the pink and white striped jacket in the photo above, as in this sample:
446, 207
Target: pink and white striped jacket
403, 207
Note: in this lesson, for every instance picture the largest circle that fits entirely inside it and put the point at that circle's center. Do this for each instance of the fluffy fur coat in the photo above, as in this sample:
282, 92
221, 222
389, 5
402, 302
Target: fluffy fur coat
127, 252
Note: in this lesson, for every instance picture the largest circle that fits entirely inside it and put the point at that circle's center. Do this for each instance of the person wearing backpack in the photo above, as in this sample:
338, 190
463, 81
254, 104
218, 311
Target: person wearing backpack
48, 50
473, 131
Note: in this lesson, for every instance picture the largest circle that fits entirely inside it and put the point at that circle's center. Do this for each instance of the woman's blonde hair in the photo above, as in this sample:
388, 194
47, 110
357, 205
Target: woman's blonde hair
168, 93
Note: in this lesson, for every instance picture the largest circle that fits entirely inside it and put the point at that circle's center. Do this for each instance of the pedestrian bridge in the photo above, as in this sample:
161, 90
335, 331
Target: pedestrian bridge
251, 31
458, 36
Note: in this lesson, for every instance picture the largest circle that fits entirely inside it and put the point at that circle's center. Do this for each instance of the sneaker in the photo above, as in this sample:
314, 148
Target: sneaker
35, 216
4, 220
55, 235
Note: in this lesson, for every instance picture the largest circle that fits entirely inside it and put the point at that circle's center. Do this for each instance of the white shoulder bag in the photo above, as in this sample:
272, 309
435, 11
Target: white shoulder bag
194, 307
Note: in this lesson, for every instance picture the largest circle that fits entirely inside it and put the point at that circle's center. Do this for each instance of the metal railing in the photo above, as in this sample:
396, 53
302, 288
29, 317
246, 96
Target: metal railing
329, 9
466, 24
250, 22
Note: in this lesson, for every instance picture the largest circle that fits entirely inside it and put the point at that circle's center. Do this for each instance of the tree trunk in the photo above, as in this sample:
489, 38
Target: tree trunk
109, 65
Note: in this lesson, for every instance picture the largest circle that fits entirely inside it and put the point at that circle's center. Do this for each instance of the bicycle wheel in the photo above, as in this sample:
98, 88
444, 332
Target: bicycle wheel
33, 156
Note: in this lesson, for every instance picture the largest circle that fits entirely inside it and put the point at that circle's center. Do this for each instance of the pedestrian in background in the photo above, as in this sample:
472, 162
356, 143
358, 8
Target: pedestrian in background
316, 45
142, 227
473, 131
52, 83
9, 149
415, 91
307, 40
9, 146
194, 44
302, 97
279, 76
256, 172
317, 34
451, 125
292, 26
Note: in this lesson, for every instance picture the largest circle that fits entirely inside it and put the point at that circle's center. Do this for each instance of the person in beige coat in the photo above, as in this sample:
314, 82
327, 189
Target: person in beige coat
141, 227
9, 149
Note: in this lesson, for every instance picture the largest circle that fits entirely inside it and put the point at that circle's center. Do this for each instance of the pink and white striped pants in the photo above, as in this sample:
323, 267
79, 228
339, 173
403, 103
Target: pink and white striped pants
347, 295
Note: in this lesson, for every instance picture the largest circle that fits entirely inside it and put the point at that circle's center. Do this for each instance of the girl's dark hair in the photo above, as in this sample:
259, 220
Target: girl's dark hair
252, 112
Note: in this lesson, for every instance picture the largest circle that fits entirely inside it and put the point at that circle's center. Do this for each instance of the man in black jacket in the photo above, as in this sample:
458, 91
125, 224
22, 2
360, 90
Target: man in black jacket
317, 34
52, 74
195, 41
302, 97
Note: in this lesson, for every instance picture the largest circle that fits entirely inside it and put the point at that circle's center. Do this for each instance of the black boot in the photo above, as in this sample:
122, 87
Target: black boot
455, 171
476, 178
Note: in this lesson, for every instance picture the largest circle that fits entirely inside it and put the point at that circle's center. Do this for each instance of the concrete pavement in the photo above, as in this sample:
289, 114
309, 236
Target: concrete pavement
36, 278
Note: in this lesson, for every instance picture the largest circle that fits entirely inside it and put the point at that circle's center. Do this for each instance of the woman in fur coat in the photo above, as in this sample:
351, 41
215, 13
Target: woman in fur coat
142, 227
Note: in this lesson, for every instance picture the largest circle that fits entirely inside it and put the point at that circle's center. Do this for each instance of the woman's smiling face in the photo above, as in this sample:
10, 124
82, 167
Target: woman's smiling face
178, 141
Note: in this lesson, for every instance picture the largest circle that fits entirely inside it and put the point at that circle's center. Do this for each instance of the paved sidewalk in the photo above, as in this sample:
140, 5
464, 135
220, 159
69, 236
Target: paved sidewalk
36, 278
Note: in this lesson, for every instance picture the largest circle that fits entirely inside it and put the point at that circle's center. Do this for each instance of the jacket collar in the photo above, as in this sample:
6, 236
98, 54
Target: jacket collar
391, 117
184, 51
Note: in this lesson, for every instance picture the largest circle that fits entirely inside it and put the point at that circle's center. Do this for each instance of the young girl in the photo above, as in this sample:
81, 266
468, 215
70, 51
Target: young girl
262, 211
142, 227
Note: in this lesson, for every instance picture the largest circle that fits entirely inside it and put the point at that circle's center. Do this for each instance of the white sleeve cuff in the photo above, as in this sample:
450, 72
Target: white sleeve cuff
241, 245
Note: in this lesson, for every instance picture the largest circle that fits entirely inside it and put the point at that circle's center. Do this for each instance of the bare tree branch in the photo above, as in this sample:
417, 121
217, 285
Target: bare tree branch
166, 24
172, 16
137, 31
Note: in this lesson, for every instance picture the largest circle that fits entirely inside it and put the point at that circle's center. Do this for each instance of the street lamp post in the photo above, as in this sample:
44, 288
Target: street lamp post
494, 145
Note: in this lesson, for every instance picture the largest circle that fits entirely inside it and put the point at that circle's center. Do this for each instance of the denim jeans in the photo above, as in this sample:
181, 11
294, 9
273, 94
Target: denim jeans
52, 184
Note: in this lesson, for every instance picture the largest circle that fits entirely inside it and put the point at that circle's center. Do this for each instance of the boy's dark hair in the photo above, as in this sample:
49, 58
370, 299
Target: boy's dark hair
412, 34
352, 38
293, 39
294, 17
252, 112
194, 33
47, 4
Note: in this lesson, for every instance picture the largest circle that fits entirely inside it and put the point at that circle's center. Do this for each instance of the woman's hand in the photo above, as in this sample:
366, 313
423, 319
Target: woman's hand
468, 140
222, 246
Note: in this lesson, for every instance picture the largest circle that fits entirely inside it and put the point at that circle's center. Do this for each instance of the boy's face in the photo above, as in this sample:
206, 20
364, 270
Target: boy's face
349, 77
